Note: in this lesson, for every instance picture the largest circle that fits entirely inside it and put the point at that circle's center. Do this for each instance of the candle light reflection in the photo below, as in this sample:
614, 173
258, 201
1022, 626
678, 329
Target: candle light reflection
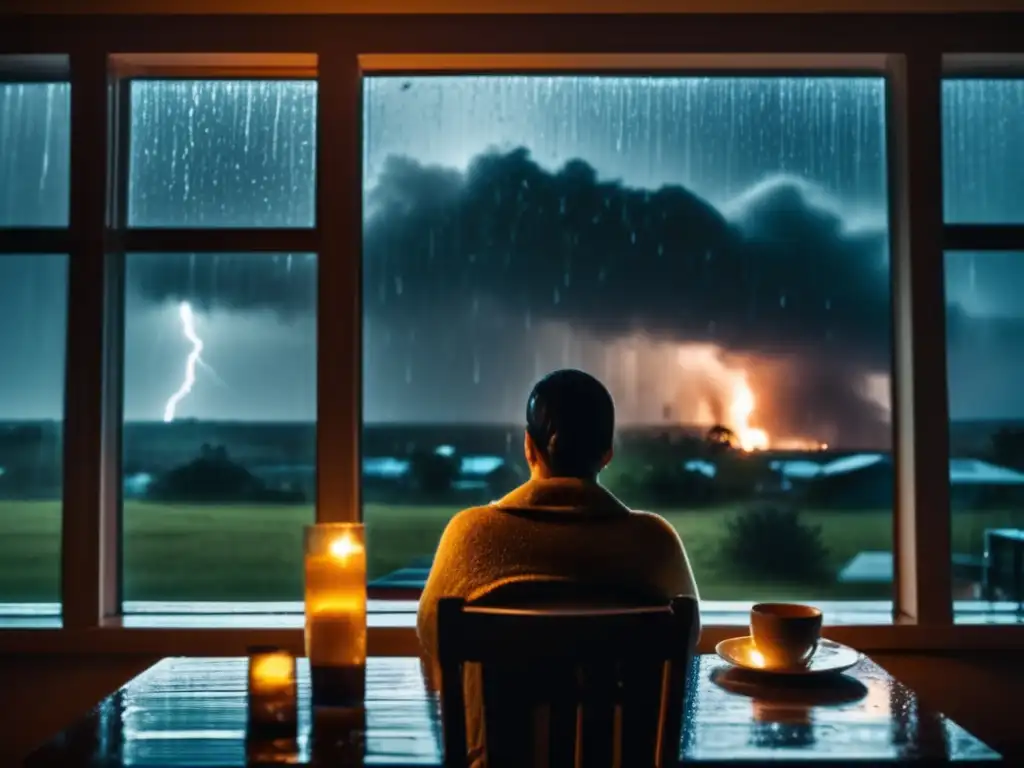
273, 692
756, 658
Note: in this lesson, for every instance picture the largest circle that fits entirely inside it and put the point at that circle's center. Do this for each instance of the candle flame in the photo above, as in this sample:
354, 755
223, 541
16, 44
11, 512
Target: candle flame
756, 657
344, 547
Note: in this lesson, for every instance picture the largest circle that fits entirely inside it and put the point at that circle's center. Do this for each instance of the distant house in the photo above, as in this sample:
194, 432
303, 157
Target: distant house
859, 481
797, 469
701, 467
479, 474
490, 474
213, 478
866, 481
136, 485
795, 474
702, 480
384, 468
975, 483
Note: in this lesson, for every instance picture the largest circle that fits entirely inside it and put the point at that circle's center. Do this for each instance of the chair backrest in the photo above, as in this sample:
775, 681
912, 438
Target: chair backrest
557, 592
569, 683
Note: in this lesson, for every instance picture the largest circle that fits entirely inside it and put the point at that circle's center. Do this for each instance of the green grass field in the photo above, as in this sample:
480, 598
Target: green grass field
255, 553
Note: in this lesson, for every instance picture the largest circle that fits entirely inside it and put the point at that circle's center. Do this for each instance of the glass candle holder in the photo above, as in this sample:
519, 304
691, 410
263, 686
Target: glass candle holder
335, 560
272, 692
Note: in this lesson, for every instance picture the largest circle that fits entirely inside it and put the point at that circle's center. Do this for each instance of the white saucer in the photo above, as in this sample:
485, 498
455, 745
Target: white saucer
831, 657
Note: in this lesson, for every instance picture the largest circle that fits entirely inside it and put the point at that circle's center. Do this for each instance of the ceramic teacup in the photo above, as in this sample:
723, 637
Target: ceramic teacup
785, 634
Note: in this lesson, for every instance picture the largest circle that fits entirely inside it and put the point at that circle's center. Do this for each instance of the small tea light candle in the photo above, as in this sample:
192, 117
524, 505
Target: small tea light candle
272, 690
336, 613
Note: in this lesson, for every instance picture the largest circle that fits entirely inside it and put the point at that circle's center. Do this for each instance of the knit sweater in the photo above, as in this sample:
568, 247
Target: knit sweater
558, 528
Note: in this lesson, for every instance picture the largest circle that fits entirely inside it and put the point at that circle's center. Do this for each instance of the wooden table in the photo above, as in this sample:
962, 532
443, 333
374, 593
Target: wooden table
187, 711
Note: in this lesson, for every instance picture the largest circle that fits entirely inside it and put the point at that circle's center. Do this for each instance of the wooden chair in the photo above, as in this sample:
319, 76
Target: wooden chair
563, 686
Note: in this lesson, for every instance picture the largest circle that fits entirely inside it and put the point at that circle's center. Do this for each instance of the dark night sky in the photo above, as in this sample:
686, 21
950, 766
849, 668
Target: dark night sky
518, 224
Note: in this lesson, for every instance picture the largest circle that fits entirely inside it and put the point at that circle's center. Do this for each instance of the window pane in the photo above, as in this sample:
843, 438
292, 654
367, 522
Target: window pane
714, 249
238, 153
985, 331
33, 317
220, 425
35, 126
983, 151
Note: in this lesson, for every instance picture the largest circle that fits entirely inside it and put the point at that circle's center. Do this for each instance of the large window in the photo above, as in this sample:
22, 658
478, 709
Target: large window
983, 143
713, 248
220, 348
707, 231
34, 171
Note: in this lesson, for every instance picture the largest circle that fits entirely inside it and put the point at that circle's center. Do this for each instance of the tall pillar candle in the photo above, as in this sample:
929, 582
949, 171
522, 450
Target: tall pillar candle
335, 559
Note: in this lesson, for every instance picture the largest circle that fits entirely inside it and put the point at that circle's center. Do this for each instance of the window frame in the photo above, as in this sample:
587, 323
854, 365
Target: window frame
710, 65
43, 240
123, 71
982, 238
96, 241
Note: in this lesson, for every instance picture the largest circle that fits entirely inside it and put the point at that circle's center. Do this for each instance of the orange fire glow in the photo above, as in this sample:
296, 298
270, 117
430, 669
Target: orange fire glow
714, 387
799, 444
727, 387
741, 409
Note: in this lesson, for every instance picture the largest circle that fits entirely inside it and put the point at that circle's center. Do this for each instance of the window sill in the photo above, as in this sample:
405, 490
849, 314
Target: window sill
394, 613
149, 611
228, 629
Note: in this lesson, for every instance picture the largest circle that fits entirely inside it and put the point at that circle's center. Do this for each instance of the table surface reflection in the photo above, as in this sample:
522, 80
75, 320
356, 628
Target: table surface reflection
192, 711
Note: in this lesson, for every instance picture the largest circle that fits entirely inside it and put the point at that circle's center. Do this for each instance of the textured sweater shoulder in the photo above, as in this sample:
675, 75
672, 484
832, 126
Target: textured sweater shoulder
555, 528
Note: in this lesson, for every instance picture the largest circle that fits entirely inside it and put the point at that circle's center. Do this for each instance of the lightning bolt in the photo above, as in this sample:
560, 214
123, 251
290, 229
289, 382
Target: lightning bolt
188, 328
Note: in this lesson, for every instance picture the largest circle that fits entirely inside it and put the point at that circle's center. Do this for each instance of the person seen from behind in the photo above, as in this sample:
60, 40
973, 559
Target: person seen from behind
562, 523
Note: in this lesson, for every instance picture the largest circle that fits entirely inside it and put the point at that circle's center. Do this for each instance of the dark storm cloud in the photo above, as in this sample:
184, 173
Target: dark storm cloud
281, 283
782, 276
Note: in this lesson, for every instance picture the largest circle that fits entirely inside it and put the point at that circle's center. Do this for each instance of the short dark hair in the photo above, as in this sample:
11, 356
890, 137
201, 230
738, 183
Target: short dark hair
570, 417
